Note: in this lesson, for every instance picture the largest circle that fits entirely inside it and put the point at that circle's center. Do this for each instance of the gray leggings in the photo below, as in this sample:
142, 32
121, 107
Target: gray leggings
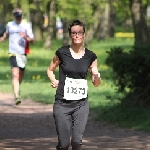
70, 119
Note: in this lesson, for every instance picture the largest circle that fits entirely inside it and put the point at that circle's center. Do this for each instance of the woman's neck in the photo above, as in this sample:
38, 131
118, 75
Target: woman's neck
77, 48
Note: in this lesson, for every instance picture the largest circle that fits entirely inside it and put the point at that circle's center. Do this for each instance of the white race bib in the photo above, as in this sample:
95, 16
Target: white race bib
21, 60
75, 89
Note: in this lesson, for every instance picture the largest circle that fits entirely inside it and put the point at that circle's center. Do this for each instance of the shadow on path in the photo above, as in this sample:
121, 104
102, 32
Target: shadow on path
30, 126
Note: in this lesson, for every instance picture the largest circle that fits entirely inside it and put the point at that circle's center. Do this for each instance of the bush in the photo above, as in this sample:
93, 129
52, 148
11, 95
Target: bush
131, 73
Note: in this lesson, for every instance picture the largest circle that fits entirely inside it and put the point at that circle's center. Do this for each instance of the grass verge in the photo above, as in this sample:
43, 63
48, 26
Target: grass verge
103, 100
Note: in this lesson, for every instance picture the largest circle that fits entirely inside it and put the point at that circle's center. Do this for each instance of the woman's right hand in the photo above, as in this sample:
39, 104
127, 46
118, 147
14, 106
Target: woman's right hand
55, 83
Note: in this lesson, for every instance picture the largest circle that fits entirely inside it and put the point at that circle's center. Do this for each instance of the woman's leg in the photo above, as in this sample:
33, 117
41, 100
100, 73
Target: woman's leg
62, 121
79, 118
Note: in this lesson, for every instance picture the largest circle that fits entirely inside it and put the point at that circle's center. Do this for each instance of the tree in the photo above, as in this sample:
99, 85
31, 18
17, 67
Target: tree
112, 17
74, 9
36, 16
50, 29
139, 22
94, 26
131, 68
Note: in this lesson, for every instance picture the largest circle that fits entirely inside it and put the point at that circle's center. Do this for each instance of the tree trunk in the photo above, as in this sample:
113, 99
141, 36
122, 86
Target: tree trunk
4, 12
50, 29
93, 28
112, 16
66, 40
139, 22
104, 23
37, 20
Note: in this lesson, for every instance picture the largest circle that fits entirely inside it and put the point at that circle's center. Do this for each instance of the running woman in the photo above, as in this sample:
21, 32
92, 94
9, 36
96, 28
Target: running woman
71, 106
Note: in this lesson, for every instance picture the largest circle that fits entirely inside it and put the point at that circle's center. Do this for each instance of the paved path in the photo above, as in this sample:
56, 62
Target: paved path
30, 126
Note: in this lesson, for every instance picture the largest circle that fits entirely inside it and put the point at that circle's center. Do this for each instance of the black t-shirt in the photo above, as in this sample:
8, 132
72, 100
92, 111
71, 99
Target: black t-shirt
72, 68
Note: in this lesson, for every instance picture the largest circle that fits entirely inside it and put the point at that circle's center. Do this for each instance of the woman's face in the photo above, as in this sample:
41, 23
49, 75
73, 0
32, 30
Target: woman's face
77, 34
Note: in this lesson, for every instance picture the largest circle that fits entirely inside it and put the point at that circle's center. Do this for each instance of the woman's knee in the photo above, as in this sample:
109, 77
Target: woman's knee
76, 145
59, 148
64, 146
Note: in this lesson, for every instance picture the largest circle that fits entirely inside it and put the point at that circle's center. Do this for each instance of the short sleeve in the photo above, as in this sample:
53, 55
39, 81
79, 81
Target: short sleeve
93, 57
58, 54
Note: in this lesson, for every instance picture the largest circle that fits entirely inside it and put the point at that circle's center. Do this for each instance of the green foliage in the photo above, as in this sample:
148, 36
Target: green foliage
36, 80
122, 10
74, 9
103, 100
131, 74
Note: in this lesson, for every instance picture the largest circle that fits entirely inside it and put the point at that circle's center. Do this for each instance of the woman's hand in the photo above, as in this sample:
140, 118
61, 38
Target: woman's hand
95, 72
55, 83
95, 76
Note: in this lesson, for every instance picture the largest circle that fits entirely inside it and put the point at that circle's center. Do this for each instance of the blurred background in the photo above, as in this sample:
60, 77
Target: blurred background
103, 18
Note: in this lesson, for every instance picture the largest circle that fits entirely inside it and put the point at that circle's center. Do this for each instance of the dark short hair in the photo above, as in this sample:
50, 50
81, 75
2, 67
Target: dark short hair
75, 23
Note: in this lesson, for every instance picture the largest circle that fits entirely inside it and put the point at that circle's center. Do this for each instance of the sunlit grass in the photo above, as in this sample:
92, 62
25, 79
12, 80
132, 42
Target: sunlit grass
36, 80
103, 100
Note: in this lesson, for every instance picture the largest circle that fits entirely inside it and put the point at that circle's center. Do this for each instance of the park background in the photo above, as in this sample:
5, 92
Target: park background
116, 30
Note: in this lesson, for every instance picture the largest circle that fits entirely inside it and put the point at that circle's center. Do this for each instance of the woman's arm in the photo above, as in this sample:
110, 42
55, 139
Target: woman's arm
51, 69
96, 80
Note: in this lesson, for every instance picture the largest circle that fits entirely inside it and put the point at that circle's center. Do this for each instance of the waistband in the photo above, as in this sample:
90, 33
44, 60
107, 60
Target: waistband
10, 54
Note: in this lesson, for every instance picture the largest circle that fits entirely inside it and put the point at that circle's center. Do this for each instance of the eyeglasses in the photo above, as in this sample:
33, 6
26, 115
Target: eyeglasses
77, 33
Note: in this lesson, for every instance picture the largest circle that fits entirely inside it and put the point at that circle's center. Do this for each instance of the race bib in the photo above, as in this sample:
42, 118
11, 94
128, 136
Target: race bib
75, 89
21, 60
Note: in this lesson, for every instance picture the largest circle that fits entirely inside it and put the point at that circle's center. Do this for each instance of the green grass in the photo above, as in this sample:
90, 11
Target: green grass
103, 100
